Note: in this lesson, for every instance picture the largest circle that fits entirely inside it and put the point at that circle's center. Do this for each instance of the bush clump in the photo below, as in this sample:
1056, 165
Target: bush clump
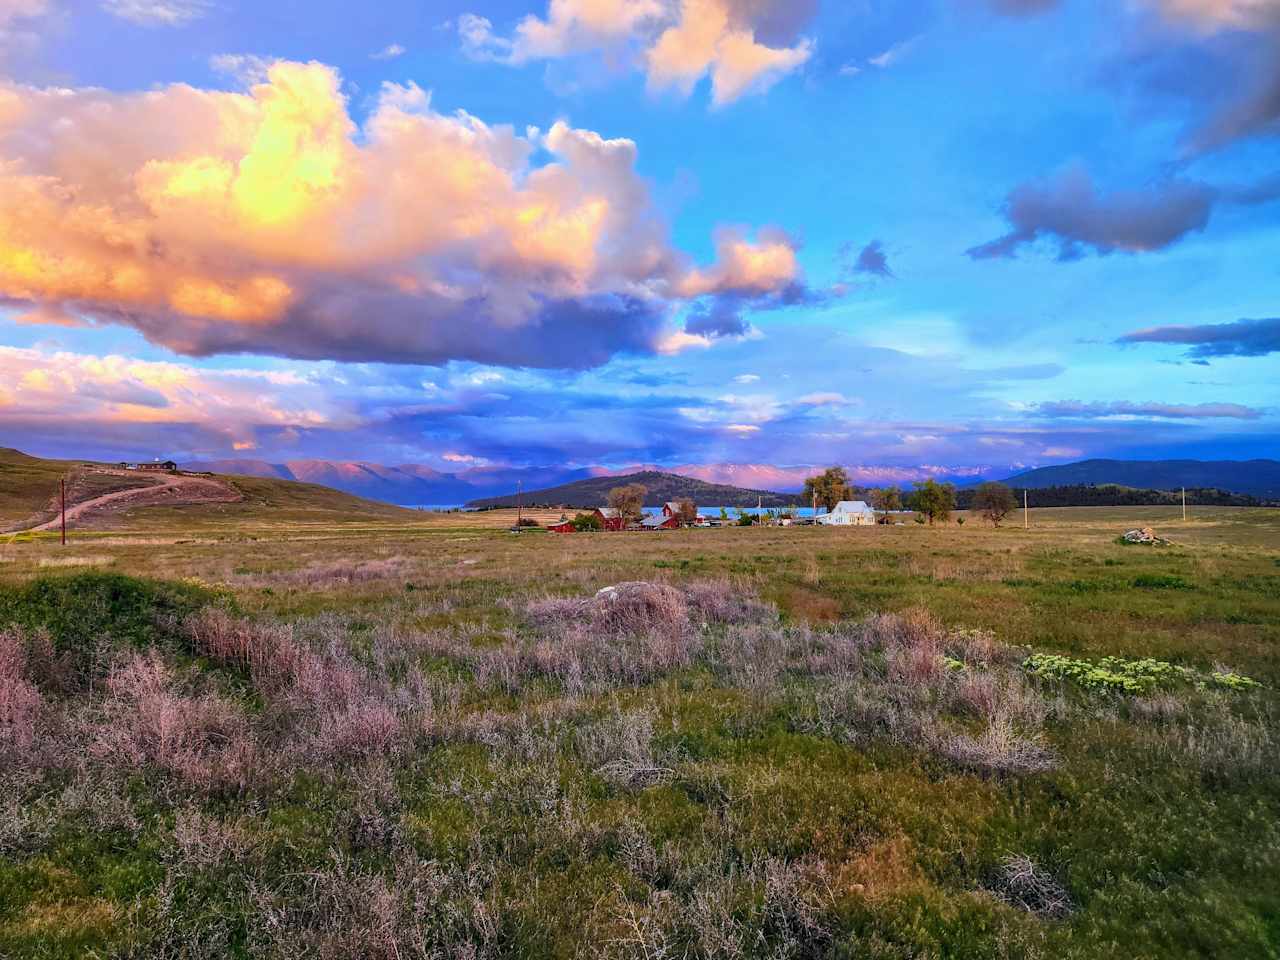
79, 610
1121, 675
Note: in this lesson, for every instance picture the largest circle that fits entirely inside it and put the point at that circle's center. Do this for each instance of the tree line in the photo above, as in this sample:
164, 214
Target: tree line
935, 502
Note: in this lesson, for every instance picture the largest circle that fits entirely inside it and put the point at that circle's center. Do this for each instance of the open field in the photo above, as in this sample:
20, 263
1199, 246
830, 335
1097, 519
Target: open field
277, 734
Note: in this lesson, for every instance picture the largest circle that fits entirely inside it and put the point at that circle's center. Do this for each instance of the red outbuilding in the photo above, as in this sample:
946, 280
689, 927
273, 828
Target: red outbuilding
611, 517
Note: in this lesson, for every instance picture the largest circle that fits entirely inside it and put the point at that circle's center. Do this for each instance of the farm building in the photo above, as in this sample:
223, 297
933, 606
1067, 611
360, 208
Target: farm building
611, 517
661, 521
850, 513
163, 466
564, 526
671, 510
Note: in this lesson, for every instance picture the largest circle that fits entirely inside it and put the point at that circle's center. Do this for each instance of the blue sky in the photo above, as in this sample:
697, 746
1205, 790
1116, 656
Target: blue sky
905, 237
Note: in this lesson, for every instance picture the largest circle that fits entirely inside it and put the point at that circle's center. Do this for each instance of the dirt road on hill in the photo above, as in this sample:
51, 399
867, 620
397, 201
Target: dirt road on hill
170, 490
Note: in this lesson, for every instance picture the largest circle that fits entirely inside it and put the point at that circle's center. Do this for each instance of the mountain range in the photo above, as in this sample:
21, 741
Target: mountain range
1258, 478
418, 485
659, 488
415, 484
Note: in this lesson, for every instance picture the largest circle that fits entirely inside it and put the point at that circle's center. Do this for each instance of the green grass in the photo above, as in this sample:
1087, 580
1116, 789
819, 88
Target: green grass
1165, 853
77, 610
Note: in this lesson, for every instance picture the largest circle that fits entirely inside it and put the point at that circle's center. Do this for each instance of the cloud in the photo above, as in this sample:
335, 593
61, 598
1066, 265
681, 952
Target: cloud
1249, 61
57, 391
744, 266
871, 260
268, 222
13, 10
168, 13
1071, 409
828, 399
1068, 209
745, 46
389, 52
1243, 338
1022, 8
894, 54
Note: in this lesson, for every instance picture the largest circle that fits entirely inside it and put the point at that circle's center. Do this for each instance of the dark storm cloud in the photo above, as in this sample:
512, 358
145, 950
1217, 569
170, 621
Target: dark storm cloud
335, 324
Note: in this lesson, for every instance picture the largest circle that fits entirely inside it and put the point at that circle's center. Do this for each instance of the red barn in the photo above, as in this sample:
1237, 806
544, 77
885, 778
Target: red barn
611, 517
659, 522
564, 526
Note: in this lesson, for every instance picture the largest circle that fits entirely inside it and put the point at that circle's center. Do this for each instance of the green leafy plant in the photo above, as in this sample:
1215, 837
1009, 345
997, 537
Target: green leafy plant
1121, 675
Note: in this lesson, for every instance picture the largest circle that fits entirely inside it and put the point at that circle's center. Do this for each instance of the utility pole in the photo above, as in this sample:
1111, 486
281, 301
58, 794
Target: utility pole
62, 489
1184, 504
519, 501
1026, 511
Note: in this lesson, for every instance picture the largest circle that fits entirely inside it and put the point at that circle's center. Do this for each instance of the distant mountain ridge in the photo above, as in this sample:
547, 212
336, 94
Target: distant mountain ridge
660, 487
740, 484
1258, 478
407, 485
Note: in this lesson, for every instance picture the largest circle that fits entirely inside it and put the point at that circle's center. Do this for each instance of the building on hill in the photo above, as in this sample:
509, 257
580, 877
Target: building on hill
157, 466
850, 513
611, 517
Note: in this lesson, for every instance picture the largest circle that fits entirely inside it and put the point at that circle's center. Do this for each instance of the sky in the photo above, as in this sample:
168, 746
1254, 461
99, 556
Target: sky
962, 237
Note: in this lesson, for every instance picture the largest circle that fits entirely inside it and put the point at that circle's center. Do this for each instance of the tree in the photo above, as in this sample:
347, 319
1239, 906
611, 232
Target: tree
829, 488
935, 500
994, 501
686, 511
629, 501
587, 522
887, 499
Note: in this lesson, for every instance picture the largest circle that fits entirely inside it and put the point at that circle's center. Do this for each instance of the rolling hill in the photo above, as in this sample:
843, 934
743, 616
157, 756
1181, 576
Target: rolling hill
1259, 478
99, 496
661, 487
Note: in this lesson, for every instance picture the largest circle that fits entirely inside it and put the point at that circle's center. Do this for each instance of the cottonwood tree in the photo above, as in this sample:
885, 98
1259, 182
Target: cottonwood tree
829, 487
629, 501
687, 511
935, 500
994, 501
886, 499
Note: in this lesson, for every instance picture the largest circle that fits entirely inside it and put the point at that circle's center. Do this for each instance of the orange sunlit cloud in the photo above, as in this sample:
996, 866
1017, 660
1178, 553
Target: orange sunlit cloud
266, 221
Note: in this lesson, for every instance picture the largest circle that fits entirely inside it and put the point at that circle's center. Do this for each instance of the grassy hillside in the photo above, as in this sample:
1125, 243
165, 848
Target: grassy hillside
266, 503
661, 487
27, 484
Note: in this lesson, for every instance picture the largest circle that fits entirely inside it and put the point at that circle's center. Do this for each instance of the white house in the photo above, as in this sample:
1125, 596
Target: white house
850, 513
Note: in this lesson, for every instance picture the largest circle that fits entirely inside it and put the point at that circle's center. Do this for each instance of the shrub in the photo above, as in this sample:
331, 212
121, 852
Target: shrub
999, 749
203, 740
1021, 883
80, 610
587, 523
620, 750
1121, 675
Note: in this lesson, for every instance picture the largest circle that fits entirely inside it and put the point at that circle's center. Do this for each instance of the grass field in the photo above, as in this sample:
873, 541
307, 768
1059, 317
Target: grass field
277, 734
